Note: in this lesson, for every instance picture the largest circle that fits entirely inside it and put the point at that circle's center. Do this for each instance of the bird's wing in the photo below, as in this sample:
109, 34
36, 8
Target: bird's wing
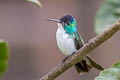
86, 63
78, 40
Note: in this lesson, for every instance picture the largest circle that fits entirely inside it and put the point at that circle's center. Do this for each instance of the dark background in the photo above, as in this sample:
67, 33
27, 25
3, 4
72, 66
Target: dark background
32, 43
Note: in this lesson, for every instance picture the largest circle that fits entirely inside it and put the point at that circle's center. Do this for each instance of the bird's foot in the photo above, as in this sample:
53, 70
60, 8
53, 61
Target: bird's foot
67, 57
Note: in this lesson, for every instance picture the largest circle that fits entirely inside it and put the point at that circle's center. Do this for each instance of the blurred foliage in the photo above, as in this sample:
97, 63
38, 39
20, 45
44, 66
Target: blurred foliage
112, 73
3, 56
36, 2
107, 15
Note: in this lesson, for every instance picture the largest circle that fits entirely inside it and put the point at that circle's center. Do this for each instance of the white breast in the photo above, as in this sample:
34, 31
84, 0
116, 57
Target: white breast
65, 42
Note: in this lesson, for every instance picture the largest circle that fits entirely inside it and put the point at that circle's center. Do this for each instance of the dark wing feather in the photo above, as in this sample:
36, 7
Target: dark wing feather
78, 40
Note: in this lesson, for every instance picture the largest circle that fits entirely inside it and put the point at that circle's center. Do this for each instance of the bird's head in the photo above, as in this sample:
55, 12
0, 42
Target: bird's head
68, 22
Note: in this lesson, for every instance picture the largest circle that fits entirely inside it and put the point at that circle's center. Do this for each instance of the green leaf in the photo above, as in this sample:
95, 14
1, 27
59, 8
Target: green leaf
107, 15
36, 2
112, 73
3, 56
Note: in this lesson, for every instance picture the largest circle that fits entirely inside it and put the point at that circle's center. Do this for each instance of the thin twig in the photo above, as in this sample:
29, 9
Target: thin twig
84, 51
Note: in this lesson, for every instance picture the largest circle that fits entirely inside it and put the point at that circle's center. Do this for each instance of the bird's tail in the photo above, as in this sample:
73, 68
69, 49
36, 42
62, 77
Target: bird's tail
85, 65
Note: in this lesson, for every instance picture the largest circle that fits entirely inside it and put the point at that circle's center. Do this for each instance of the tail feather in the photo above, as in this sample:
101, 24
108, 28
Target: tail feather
82, 67
94, 64
85, 66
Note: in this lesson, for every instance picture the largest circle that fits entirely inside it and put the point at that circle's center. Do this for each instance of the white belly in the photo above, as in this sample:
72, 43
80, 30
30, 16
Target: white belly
65, 42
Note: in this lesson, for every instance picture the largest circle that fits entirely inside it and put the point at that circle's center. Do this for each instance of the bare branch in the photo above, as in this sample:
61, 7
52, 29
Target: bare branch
84, 51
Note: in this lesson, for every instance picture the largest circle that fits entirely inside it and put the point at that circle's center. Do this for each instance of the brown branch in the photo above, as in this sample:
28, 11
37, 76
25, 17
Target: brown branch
84, 51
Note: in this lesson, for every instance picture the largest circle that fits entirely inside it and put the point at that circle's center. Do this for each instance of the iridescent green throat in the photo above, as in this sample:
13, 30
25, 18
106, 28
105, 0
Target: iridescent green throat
71, 28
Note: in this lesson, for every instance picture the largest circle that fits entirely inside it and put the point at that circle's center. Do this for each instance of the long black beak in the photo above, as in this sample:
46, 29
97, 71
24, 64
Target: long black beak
54, 20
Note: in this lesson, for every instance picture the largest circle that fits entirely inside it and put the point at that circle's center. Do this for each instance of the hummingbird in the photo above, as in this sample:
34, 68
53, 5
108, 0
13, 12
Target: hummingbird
69, 41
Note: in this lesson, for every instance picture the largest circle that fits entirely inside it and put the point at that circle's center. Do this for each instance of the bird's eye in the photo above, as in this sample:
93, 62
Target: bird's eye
68, 23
